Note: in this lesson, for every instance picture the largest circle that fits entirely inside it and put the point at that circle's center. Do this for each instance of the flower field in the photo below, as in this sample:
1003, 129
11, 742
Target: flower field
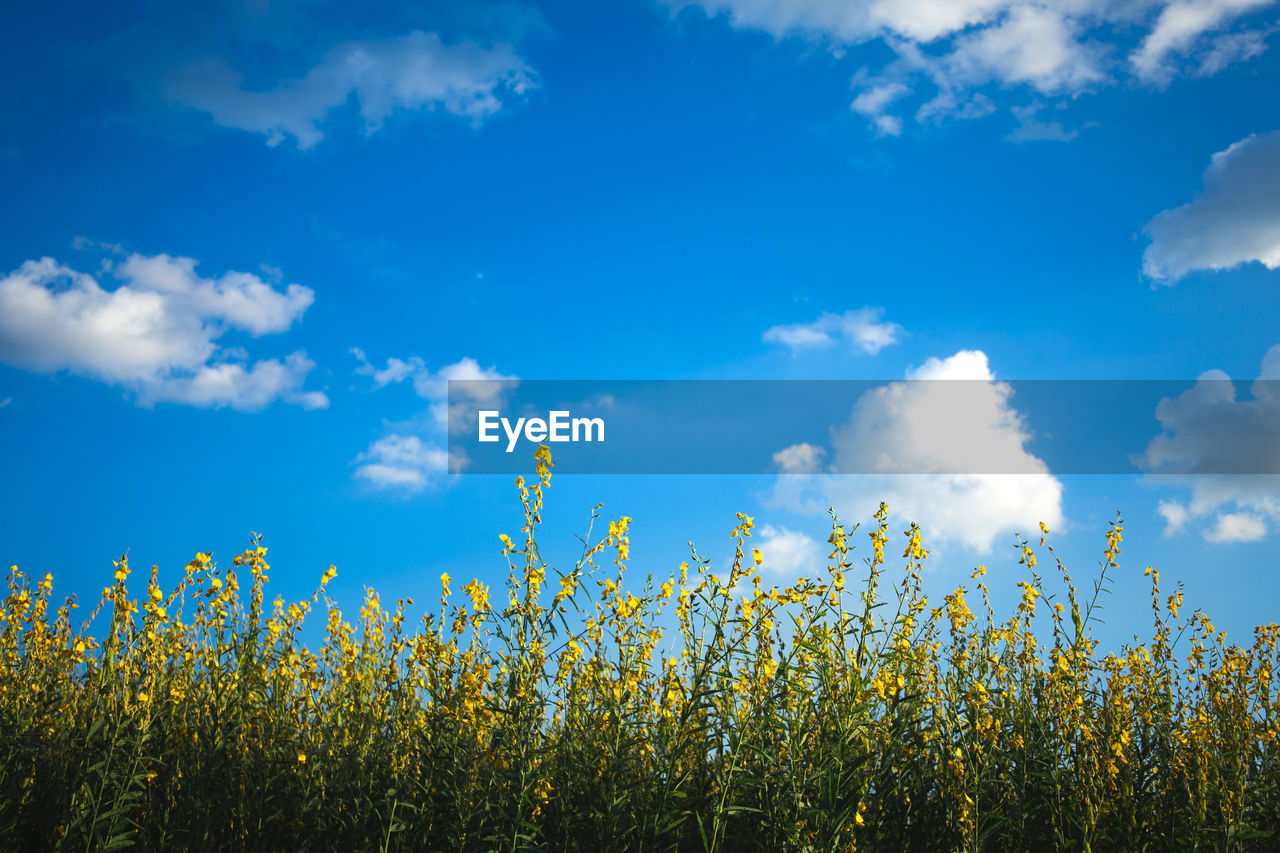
583, 709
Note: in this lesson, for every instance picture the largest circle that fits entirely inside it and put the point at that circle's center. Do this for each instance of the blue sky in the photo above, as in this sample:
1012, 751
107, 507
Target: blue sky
233, 199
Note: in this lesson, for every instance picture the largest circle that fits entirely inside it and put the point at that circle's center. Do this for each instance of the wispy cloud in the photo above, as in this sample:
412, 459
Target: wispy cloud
414, 72
864, 330
946, 51
413, 456
1183, 24
1032, 128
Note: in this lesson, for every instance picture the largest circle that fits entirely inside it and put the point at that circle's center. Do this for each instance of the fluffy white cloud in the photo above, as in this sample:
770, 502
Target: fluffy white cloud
412, 72
801, 458
1030, 44
1235, 219
863, 329
1063, 48
1175, 515
244, 387
157, 332
1225, 450
927, 448
1236, 527
401, 463
789, 554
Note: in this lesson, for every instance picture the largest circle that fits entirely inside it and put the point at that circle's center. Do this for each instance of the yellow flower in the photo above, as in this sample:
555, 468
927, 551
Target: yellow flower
479, 596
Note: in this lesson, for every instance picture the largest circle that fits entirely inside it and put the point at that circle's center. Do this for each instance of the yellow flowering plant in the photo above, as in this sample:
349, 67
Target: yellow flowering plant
697, 710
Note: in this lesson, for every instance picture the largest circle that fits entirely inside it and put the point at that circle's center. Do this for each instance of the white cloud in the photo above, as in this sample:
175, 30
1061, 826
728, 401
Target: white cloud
490, 383
1175, 515
1064, 48
156, 333
1230, 48
851, 21
927, 447
1235, 219
1033, 129
863, 329
801, 458
1032, 45
1223, 449
789, 554
402, 463
240, 387
1236, 527
411, 459
1180, 26
484, 384
397, 370
874, 100
412, 72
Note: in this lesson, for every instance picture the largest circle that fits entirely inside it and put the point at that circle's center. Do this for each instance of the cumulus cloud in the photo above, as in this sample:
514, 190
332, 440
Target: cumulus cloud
863, 329
403, 463
413, 72
1235, 219
955, 47
927, 447
1236, 527
789, 554
413, 457
1032, 45
801, 458
1225, 451
157, 333
1175, 515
